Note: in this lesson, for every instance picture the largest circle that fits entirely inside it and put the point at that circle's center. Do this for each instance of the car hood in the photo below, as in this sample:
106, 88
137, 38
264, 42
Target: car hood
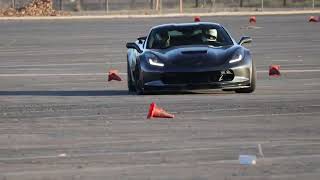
196, 56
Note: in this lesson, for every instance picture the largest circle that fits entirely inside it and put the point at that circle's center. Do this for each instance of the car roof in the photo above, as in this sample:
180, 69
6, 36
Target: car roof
185, 24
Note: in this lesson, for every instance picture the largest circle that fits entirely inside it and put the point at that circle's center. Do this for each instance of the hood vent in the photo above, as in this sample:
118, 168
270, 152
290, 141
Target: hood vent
195, 52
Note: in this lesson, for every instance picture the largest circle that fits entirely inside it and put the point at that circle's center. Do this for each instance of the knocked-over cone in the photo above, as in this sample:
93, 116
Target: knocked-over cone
157, 112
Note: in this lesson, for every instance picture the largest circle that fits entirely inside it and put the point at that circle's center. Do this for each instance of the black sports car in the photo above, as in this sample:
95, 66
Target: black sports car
190, 56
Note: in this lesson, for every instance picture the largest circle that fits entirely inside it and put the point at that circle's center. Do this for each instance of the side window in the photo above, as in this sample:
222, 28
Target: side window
144, 44
150, 41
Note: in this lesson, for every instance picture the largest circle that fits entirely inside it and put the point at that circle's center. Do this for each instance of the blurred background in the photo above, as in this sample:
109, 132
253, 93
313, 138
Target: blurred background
167, 6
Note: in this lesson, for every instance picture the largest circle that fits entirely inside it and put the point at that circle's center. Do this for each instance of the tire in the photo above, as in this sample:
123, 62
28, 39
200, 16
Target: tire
139, 82
131, 87
252, 87
139, 88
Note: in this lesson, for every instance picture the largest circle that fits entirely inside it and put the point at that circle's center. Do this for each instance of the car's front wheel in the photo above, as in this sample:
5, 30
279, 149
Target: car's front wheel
252, 87
139, 85
131, 87
139, 88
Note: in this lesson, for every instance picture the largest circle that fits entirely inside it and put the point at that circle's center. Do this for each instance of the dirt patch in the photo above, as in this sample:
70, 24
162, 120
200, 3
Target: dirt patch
35, 8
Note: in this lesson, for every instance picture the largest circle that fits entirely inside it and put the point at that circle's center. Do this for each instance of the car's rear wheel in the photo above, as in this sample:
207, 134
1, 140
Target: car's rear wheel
252, 87
131, 87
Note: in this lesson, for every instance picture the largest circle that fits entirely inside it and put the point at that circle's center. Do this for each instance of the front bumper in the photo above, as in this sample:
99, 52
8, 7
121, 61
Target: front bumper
211, 78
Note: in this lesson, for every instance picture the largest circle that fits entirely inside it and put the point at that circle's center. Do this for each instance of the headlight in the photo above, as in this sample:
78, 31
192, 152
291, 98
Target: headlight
236, 58
155, 62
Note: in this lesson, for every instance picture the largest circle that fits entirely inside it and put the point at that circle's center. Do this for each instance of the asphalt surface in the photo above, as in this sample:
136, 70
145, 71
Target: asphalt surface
61, 119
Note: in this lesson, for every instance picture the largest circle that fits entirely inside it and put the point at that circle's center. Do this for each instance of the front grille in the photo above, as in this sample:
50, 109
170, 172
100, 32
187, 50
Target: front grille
191, 78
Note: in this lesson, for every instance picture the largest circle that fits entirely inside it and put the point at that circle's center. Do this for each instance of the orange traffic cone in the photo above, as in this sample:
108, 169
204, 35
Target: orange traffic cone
274, 71
156, 112
313, 19
197, 19
114, 75
253, 20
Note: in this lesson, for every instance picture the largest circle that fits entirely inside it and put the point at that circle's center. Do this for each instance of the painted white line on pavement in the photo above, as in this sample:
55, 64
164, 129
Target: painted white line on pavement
151, 165
280, 60
258, 115
62, 74
120, 153
88, 142
312, 84
70, 64
294, 65
130, 153
137, 113
315, 105
292, 70
214, 110
122, 73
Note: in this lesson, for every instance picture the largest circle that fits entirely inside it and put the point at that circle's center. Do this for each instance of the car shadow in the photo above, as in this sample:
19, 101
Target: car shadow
66, 93
101, 93
195, 92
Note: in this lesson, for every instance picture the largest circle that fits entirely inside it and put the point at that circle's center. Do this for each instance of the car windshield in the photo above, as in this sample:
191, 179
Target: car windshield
169, 36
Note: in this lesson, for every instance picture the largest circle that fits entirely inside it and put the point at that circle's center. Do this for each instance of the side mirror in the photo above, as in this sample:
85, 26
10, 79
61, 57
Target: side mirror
134, 46
245, 40
142, 39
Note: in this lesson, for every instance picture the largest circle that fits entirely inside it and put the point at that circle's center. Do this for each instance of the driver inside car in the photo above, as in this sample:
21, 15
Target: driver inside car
210, 35
162, 40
